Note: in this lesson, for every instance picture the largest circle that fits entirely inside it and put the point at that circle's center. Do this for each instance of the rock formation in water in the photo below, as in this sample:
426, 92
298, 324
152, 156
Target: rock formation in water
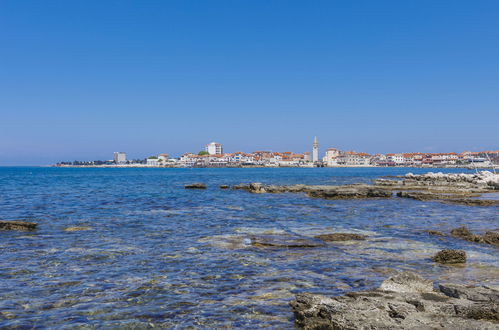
459, 189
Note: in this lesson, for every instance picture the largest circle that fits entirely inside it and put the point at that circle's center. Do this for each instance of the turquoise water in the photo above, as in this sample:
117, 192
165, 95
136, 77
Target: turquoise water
158, 255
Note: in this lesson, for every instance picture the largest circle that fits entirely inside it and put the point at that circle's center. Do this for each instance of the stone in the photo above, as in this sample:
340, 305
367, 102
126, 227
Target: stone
435, 233
407, 282
334, 237
195, 186
348, 192
411, 304
448, 256
284, 241
479, 294
77, 228
491, 237
224, 186
241, 186
17, 225
257, 188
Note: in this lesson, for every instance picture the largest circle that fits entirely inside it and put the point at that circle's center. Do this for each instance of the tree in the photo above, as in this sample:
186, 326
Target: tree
202, 153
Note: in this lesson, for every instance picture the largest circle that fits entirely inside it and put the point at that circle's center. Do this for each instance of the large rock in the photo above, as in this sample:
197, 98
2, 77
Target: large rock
448, 256
17, 225
405, 301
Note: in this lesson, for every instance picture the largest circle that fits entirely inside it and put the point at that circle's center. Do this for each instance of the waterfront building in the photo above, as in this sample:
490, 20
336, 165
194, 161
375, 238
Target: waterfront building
119, 158
214, 148
315, 151
152, 161
331, 157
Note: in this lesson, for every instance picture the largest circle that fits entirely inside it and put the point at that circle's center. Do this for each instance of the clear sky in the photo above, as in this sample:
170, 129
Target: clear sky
81, 79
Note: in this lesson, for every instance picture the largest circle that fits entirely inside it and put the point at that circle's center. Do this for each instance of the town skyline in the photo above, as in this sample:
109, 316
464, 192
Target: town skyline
214, 155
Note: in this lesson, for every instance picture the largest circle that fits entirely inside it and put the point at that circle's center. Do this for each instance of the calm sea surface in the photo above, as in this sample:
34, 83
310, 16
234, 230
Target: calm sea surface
159, 255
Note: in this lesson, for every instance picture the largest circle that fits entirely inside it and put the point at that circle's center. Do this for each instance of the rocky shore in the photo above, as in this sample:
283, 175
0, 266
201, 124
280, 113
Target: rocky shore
404, 301
462, 189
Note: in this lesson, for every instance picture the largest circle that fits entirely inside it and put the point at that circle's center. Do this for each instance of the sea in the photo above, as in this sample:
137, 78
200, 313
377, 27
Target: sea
149, 253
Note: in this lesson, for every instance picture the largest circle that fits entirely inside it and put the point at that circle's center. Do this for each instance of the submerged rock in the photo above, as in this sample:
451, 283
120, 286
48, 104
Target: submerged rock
195, 186
284, 241
77, 228
17, 225
334, 237
404, 301
450, 257
224, 186
435, 233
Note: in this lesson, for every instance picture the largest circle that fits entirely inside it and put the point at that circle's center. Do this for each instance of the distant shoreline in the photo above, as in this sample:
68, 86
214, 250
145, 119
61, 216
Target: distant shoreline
257, 166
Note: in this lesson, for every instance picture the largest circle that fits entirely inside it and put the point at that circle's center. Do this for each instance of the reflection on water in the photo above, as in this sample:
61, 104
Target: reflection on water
155, 254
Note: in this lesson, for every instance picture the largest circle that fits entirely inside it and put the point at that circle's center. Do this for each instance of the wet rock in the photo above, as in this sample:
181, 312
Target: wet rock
224, 186
334, 237
448, 256
257, 188
490, 237
449, 198
17, 225
241, 186
77, 228
435, 233
410, 303
473, 202
348, 192
284, 241
195, 186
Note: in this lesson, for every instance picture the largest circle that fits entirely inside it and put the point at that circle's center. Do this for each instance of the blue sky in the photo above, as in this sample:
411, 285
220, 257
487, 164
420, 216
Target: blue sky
82, 79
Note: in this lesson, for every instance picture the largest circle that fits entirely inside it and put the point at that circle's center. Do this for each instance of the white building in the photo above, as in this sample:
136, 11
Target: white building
398, 159
331, 158
120, 157
214, 148
315, 151
152, 161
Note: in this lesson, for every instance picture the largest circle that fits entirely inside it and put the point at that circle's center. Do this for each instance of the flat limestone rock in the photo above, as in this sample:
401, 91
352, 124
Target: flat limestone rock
335, 237
17, 225
284, 241
412, 305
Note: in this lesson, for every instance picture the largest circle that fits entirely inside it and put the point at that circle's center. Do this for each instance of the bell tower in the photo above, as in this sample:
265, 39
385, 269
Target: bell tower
315, 151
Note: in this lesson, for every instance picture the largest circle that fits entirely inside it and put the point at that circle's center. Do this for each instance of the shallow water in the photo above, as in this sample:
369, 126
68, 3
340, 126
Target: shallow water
156, 254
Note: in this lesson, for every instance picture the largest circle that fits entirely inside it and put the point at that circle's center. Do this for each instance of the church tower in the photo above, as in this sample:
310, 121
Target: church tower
315, 151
